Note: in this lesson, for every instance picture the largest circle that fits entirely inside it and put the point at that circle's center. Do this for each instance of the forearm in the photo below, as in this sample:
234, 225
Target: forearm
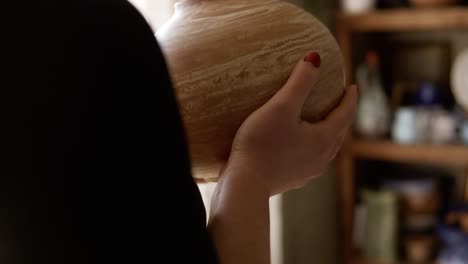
239, 220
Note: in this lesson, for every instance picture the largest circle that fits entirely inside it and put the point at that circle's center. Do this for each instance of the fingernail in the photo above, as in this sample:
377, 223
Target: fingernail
314, 58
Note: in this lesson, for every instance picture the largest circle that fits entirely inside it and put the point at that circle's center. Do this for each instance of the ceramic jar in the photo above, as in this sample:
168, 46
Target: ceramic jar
228, 57
404, 126
464, 132
443, 128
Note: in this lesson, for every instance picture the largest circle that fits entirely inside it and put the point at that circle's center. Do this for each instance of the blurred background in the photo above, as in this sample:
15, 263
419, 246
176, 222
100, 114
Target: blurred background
398, 192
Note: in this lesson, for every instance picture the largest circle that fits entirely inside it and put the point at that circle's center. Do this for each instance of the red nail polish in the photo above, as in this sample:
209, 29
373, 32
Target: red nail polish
314, 58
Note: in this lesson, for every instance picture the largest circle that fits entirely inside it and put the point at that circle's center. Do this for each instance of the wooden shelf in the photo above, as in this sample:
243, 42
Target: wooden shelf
406, 19
364, 261
452, 155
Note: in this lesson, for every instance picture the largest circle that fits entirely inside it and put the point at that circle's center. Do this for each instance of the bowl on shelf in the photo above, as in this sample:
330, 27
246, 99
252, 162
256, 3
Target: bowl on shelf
416, 196
432, 3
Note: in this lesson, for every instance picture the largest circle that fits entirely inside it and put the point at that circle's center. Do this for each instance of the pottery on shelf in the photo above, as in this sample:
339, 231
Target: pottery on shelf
228, 57
373, 112
420, 248
404, 129
381, 225
358, 6
464, 132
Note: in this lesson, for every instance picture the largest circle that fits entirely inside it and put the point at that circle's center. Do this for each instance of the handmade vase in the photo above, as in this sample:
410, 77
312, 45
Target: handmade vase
228, 57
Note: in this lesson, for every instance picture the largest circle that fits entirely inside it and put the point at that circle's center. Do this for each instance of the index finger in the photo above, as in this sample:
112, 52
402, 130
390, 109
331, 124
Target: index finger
300, 83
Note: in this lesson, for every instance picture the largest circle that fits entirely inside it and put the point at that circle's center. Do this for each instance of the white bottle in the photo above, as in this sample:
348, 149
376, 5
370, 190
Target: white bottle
373, 113
358, 6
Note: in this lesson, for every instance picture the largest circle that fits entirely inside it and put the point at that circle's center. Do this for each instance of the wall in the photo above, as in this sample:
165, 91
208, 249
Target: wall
310, 223
156, 12
310, 232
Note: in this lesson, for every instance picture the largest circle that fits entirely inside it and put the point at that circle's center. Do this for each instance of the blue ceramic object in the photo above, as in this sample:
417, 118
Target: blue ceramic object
427, 94
455, 249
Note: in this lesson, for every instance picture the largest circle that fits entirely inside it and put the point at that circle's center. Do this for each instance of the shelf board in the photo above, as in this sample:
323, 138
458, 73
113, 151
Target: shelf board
406, 19
453, 155
367, 261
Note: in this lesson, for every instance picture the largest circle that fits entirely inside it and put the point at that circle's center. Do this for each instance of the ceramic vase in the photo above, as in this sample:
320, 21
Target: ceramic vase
228, 57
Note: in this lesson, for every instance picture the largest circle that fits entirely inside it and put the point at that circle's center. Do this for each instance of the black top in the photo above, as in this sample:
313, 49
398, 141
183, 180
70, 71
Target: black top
94, 166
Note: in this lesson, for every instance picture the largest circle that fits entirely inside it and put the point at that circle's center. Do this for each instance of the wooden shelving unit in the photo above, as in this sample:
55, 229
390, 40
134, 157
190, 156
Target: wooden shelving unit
364, 261
449, 155
396, 20
406, 20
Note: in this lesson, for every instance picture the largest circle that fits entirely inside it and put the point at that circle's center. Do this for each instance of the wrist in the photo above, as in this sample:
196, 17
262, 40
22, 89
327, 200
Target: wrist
240, 184
239, 215
248, 178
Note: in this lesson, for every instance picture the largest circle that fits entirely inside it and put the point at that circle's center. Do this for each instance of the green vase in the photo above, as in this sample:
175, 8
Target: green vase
381, 226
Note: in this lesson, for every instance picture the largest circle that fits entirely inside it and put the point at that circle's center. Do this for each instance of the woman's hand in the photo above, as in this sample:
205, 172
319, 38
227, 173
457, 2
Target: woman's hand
274, 151
281, 151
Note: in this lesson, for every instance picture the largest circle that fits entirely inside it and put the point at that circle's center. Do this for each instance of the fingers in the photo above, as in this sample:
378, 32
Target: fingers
300, 83
343, 116
331, 132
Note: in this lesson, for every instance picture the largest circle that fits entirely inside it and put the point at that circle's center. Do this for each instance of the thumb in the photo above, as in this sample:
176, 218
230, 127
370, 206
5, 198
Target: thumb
300, 83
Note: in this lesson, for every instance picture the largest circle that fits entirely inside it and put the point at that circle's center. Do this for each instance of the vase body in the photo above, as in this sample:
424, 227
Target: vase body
228, 57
